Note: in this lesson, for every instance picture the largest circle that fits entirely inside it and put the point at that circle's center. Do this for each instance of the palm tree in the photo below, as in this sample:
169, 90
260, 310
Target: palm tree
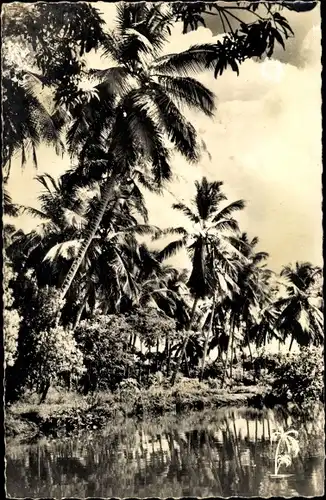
139, 98
209, 246
55, 241
300, 315
27, 121
251, 295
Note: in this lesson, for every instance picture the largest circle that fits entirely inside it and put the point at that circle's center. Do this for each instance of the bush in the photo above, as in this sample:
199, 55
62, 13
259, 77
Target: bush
104, 342
11, 318
299, 378
55, 352
214, 370
269, 361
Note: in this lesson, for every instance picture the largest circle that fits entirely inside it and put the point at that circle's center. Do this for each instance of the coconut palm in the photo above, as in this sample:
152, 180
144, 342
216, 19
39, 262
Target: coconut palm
54, 242
300, 315
27, 121
251, 296
138, 104
210, 248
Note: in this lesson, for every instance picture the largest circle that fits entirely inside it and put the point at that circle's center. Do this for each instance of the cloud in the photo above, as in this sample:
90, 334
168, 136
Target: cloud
264, 143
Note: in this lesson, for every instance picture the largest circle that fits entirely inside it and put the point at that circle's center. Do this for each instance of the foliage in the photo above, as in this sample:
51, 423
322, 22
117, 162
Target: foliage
299, 378
267, 360
151, 325
54, 352
301, 314
36, 307
11, 317
104, 345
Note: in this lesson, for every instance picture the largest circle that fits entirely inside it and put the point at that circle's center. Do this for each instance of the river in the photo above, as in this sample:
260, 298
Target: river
213, 453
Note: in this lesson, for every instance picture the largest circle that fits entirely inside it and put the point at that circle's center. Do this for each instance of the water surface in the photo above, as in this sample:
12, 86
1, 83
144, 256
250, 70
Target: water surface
221, 453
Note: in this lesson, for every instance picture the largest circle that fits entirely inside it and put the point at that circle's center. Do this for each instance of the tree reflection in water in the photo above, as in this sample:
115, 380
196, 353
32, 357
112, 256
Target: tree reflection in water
222, 453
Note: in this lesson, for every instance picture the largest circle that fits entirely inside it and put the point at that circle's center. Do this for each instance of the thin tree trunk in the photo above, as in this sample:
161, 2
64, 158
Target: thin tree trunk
291, 343
210, 328
157, 352
80, 311
90, 233
168, 354
184, 347
250, 354
45, 390
187, 364
227, 352
232, 354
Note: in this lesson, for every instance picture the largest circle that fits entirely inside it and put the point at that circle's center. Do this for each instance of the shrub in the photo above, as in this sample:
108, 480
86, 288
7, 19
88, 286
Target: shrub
269, 361
299, 378
11, 318
128, 389
55, 351
104, 342
214, 370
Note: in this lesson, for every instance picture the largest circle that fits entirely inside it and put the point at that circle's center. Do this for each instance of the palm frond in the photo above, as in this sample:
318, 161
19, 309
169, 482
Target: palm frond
226, 225
186, 211
193, 60
180, 132
171, 249
228, 210
34, 212
160, 233
115, 79
67, 250
189, 91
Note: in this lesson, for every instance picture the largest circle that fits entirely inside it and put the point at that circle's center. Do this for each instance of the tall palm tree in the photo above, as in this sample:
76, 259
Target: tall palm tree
210, 247
137, 103
251, 294
52, 245
300, 315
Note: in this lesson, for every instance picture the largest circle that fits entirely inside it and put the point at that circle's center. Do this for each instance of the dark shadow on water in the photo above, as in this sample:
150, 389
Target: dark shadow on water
221, 453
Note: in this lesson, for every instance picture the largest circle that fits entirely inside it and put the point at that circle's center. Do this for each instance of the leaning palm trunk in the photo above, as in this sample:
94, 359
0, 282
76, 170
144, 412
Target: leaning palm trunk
90, 233
185, 343
210, 328
291, 343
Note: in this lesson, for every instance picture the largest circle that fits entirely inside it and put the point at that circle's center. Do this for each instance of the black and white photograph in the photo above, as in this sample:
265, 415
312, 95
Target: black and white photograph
162, 252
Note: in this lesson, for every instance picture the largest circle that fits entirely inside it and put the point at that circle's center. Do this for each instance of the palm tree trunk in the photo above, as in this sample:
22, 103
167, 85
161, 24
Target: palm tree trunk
80, 311
167, 354
210, 328
90, 233
184, 347
250, 354
227, 352
291, 343
232, 354
157, 352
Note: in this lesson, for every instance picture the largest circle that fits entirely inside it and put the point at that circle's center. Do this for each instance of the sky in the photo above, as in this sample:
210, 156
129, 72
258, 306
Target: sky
264, 143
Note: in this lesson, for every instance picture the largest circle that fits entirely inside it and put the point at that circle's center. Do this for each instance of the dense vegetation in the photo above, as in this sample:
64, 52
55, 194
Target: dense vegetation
89, 304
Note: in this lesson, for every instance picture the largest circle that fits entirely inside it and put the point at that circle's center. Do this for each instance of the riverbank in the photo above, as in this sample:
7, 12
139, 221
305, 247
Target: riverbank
67, 415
